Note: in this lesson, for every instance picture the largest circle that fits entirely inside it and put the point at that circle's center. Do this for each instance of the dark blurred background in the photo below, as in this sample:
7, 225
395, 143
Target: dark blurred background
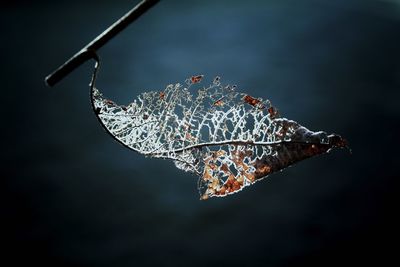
74, 197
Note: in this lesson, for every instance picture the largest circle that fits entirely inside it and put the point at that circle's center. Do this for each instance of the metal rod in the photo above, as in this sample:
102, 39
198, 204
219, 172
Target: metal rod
89, 51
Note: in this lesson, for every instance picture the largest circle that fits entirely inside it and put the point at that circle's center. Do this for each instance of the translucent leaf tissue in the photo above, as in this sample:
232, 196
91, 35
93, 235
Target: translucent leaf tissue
229, 139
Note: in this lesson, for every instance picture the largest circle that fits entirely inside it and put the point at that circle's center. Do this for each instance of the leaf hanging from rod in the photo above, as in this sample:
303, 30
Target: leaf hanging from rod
229, 139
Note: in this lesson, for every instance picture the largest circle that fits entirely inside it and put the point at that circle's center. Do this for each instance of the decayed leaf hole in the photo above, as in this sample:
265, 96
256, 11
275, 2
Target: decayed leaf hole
229, 139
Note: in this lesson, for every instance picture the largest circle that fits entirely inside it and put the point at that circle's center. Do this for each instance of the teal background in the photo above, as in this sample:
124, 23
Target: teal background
74, 197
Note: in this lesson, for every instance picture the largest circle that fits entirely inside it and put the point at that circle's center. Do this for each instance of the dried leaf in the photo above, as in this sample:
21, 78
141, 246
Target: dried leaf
230, 140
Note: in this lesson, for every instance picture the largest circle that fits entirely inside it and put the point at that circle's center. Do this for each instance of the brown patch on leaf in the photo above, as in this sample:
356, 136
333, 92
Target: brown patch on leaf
273, 112
262, 169
109, 102
196, 79
225, 168
233, 183
282, 132
219, 102
219, 153
211, 177
253, 101
238, 158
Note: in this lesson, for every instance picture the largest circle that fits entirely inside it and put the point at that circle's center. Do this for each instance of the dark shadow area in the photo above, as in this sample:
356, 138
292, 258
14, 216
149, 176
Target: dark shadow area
74, 197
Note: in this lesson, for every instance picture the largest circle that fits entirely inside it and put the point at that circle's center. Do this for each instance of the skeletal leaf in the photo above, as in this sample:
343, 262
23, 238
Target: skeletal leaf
229, 139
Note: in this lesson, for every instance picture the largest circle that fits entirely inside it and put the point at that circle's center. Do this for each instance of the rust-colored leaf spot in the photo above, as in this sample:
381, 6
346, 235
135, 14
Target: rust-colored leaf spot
225, 168
196, 79
262, 169
109, 102
219, 102
273, 112
253, 101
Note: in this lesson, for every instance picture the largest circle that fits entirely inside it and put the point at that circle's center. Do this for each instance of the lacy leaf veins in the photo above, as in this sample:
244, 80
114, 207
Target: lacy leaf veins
229, 139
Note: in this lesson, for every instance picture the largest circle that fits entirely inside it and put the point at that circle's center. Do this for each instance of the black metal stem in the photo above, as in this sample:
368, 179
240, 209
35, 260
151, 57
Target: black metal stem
89, 51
